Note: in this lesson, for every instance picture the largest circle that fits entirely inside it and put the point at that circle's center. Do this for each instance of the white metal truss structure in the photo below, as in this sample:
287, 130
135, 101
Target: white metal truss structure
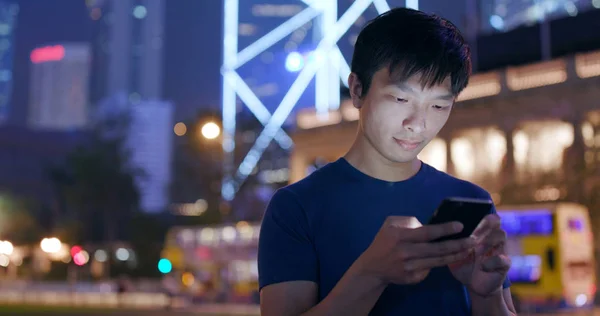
327, 69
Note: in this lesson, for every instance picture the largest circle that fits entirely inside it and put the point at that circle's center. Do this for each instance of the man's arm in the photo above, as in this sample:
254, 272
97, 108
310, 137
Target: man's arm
398, 255
355, 294
288, 265
496, 305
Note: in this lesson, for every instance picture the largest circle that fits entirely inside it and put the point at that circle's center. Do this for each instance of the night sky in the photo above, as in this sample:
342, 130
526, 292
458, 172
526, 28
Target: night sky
192, 50
192, 46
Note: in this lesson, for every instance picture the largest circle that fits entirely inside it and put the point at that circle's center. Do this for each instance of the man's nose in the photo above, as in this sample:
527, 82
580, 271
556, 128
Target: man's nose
415, 123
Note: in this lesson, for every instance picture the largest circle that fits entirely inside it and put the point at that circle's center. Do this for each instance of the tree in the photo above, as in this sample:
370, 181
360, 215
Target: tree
148, 233
17, 223
197, 169
98, 180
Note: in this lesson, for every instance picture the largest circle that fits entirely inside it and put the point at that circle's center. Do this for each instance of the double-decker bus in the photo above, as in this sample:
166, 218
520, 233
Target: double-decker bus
552, 252
214, 263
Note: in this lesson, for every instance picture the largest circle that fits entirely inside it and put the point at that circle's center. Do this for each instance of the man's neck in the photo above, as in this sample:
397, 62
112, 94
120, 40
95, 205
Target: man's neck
364, 157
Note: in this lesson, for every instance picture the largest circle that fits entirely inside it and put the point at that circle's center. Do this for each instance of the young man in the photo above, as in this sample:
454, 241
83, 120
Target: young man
343, 241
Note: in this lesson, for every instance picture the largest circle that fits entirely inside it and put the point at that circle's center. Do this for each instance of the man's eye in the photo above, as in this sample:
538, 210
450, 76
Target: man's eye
441, 107
401, 100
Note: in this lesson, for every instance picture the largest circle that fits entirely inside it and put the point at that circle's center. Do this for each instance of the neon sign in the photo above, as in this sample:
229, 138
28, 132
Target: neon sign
47, 54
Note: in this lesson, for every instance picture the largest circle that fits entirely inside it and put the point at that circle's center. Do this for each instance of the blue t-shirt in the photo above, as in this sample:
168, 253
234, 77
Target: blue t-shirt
316, 228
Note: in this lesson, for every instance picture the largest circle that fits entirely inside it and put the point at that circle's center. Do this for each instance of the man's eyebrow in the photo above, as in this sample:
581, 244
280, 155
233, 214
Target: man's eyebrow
404, 87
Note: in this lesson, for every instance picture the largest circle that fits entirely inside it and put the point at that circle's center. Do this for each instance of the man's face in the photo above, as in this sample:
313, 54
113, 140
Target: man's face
398, 119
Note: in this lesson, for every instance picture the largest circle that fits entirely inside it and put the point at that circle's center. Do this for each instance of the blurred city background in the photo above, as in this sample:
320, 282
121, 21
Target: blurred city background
140, 141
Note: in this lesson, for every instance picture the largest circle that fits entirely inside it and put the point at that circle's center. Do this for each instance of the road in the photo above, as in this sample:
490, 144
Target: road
74, 311
81, 311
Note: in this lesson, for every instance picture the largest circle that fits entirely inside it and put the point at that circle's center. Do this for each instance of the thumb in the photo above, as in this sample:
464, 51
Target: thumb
499, 263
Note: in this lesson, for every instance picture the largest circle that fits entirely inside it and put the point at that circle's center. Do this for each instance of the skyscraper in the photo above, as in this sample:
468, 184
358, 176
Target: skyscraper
127, 69
9, 10
127, 48
150, 142
59, 89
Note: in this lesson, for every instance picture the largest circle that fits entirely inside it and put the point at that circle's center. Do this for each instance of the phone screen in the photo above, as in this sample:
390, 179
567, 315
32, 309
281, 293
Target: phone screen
469, 212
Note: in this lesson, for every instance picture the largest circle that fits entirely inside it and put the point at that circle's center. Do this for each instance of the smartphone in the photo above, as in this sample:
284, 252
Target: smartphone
467, 211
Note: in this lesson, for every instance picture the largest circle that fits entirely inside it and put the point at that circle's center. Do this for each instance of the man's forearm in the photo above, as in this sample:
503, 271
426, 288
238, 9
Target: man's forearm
494, 305
355, 294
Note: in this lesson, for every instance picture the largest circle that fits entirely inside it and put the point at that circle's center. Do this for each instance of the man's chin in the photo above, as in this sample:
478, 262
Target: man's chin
403, 159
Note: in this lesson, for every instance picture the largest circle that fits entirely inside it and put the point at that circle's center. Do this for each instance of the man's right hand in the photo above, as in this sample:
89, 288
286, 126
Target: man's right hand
403, 255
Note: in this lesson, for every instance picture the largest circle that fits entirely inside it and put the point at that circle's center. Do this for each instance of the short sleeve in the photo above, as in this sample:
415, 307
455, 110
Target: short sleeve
506, 283
286, 250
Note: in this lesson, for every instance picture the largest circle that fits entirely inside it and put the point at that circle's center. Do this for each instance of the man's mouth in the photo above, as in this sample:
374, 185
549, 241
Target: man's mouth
408, 144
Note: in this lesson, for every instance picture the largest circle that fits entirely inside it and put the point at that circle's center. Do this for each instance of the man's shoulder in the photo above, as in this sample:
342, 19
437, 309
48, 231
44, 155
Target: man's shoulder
320, 179
456, 186
305, 195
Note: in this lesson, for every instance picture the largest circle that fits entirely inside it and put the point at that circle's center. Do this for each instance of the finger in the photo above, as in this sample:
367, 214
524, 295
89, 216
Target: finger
487, 224
467, 260
500, 263
432, 232
429, 263
424, 250
417, 276
492, 242
494, 239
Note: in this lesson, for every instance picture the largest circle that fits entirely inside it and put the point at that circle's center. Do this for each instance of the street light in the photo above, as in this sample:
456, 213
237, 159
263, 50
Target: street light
180, 129
210, 130
6, 248
50, 245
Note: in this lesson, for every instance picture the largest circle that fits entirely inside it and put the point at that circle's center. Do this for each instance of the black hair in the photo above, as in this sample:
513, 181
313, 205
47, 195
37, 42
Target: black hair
412, 42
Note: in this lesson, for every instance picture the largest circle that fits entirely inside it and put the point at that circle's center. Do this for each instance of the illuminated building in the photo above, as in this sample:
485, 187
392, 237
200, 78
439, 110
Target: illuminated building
127, 48
527, 133
8, 18
127, 70
150, 142
59, 89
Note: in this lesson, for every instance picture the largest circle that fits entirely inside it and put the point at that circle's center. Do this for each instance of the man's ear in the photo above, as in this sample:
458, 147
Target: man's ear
355, 90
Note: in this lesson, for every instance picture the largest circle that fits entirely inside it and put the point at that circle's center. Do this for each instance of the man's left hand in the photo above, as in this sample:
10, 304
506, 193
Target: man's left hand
485, 270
